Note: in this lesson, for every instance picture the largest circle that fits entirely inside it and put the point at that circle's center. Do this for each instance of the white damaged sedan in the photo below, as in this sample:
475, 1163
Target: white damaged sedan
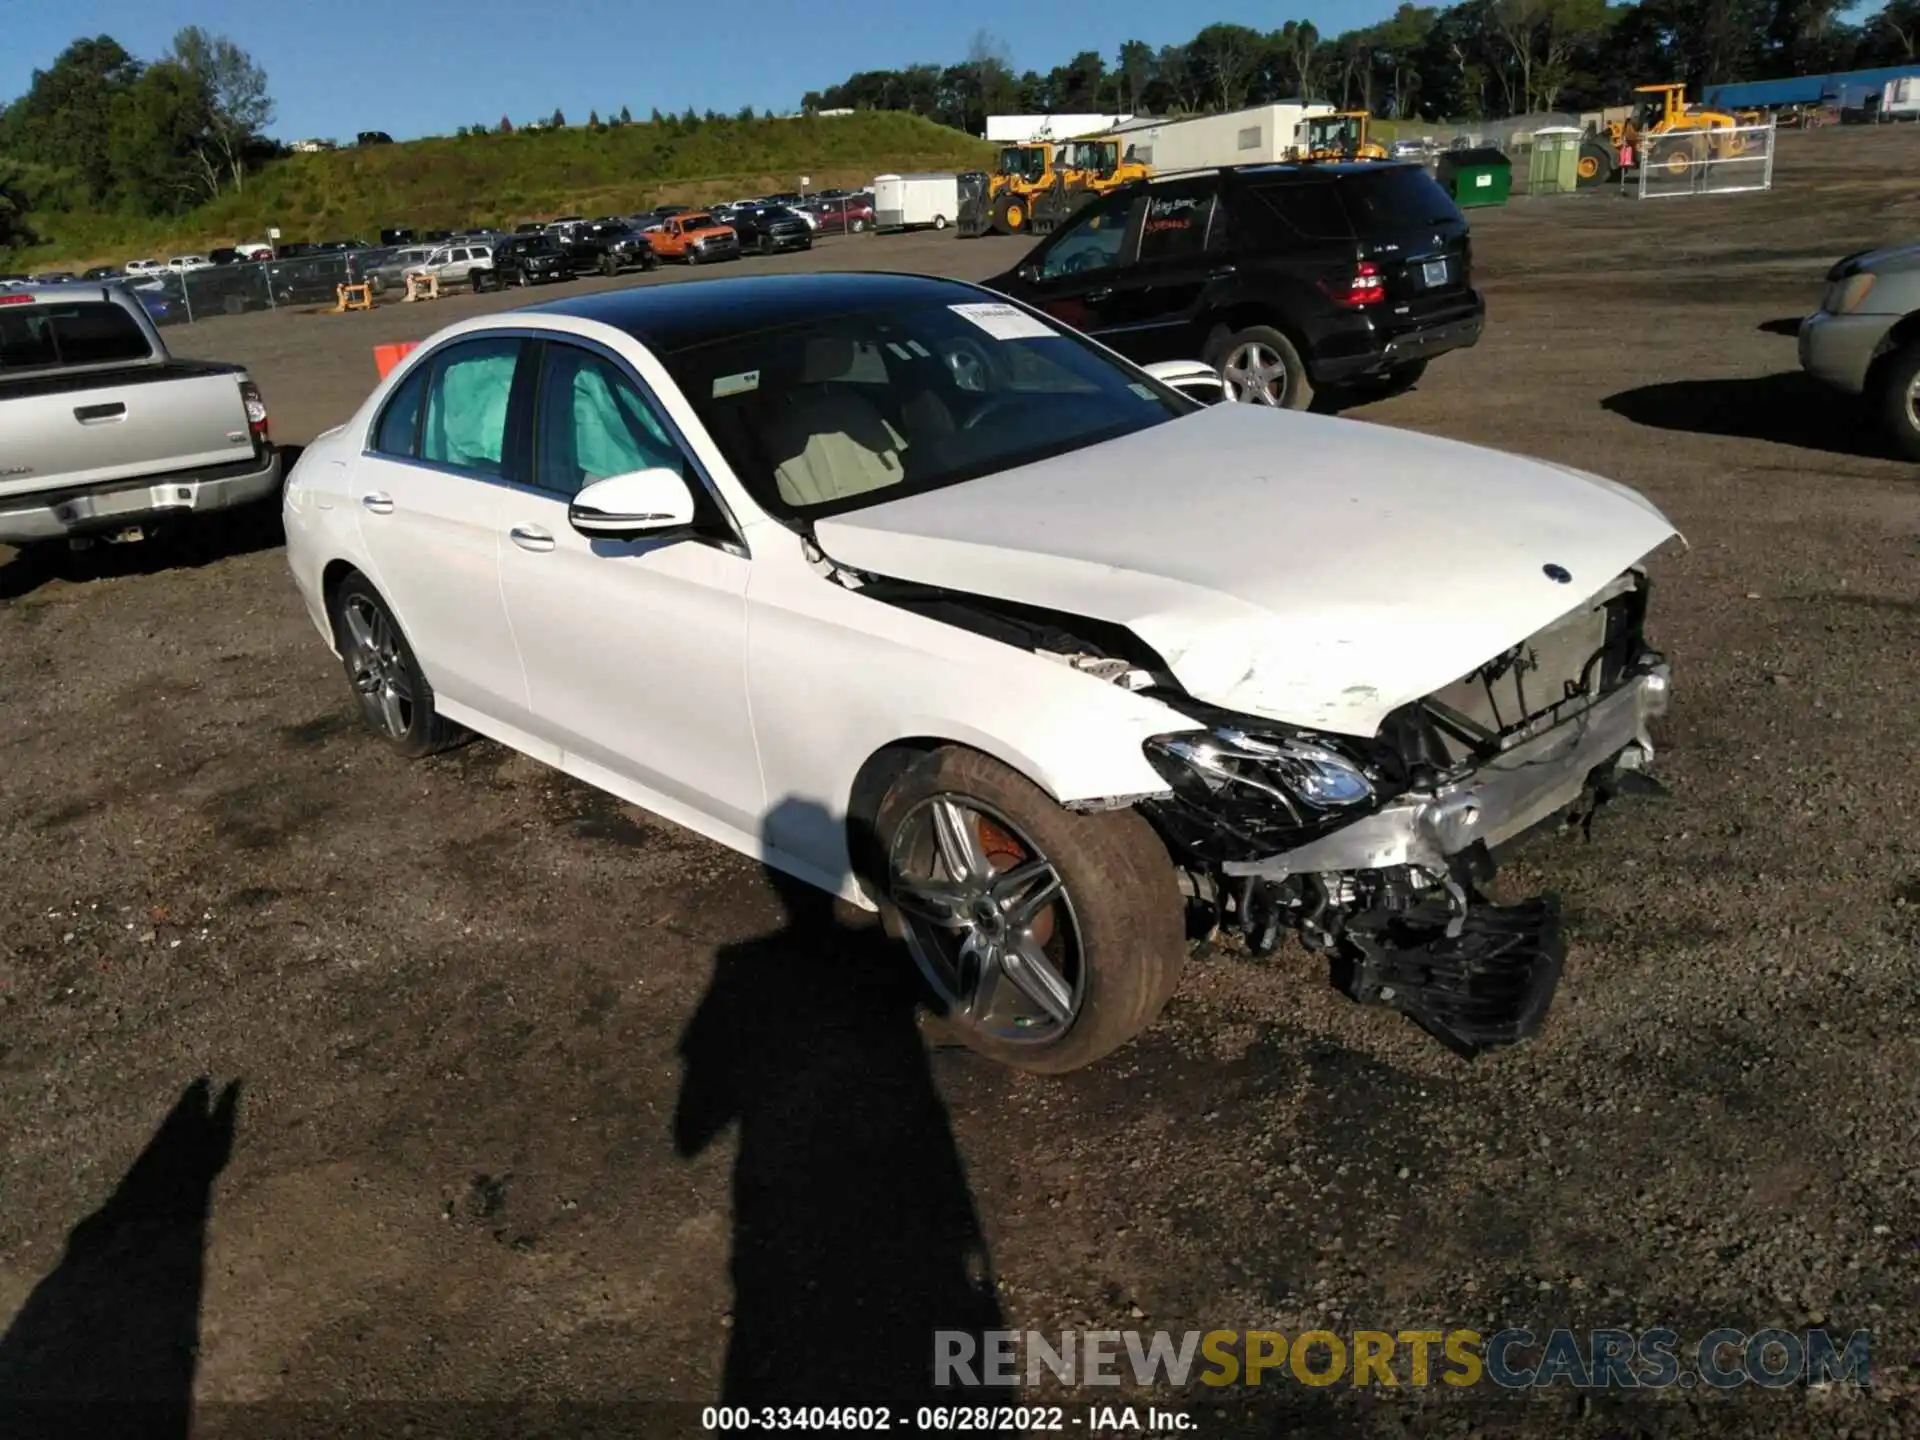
905, 591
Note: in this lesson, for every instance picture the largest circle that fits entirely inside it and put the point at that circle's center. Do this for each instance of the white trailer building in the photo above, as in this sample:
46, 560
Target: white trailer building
912, 202
1025, 129
1256, 136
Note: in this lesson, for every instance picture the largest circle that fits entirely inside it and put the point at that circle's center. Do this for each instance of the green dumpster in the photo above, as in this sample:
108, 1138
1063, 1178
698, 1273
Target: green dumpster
1475, 177
1554, 168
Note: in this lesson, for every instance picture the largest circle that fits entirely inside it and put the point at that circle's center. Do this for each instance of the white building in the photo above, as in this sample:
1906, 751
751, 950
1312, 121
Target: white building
1024, 129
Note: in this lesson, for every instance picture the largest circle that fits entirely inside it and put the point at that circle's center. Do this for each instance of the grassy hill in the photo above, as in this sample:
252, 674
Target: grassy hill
529, 175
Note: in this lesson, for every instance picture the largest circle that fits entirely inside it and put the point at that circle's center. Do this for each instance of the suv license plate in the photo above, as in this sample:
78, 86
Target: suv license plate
1434, 272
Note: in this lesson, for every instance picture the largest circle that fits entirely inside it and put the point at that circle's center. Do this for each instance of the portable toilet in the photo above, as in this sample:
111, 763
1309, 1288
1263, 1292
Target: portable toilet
1555, 167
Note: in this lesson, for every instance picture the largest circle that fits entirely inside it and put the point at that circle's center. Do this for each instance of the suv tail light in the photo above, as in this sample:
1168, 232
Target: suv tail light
1365, 286
256, 411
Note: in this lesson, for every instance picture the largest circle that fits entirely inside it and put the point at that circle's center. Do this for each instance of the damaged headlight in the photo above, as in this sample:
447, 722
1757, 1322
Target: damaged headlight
1302, 778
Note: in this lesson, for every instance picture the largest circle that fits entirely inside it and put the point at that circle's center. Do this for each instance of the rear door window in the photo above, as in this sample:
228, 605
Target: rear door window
1396, 197
1175, 224
1306, 209
466, 420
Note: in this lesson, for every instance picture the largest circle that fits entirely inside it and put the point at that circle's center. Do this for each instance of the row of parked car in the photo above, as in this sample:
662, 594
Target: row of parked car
537, 250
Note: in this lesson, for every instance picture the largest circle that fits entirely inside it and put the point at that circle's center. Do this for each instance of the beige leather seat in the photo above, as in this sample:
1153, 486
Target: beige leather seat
826, 442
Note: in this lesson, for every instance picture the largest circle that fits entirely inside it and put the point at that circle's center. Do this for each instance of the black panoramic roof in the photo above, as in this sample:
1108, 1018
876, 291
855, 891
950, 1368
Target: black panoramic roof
678, 316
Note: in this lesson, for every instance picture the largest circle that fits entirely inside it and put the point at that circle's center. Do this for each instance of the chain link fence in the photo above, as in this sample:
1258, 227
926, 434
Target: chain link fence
1705, 162
184, 297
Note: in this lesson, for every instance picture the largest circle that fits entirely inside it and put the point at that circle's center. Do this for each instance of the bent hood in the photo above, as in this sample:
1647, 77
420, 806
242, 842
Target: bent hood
1315, 571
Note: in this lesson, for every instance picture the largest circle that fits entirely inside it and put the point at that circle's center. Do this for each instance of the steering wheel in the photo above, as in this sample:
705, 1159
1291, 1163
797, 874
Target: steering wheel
969, 366
1082, 261
992, 405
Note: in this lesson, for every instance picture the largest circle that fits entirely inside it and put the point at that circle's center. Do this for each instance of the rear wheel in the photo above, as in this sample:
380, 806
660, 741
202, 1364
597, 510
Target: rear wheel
395, 699
1262, 367
939, 222
1900, 400
1047, 938
1010, 216
609, 266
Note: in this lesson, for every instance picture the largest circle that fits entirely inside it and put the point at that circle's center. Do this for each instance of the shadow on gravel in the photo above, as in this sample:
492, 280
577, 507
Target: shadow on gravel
1788, 409
106, 1344
1788, 325
855, 1237
220, 535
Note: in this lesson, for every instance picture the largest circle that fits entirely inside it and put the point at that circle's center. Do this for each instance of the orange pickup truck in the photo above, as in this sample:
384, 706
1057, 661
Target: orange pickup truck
695, 238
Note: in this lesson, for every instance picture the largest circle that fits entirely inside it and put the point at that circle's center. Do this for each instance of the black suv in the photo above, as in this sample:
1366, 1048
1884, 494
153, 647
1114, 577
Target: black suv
530, 259
1285, 277
608, 246
764, 229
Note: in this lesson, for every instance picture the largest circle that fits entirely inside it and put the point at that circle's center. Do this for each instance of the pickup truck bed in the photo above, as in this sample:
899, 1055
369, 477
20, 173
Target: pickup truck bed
97, 436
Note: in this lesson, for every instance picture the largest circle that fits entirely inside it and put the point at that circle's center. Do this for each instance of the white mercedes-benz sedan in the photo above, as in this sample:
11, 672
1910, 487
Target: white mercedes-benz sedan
910, 593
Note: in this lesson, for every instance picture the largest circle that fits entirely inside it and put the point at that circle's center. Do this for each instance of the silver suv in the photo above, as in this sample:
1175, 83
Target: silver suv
1865, 338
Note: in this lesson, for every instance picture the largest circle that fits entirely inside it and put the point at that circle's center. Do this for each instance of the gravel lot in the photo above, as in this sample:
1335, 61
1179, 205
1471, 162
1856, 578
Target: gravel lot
541, 1100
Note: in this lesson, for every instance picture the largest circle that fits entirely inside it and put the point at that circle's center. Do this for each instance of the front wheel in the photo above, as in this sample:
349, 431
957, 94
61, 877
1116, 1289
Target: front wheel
1595, 165
609, 266
395, 699
1261, 367
1900, 400
1046, 938
693, 257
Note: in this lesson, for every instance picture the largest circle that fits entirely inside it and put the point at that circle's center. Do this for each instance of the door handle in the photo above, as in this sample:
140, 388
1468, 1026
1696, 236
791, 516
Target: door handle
1221, 272
380, 503
1105, 293
530, 537
99, 414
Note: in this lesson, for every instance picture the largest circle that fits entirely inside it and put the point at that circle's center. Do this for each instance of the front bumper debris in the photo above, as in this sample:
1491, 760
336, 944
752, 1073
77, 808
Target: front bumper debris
1505, 797
1490, 984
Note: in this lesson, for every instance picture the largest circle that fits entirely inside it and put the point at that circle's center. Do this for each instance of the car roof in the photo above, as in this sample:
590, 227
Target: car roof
677, 317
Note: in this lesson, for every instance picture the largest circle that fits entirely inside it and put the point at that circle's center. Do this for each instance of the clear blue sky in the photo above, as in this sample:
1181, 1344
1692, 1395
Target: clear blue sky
339, 67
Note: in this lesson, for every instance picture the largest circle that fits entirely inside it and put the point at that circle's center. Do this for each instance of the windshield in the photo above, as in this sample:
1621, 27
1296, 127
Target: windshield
690, 222
1027, 161
848, 411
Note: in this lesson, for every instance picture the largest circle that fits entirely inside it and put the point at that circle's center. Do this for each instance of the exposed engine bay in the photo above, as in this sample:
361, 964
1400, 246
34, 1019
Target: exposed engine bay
1374, 851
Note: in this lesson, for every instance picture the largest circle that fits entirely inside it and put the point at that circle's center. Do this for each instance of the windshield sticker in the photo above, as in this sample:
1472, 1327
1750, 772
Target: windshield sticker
741, 384
1004, 322
1145, 392
898, 349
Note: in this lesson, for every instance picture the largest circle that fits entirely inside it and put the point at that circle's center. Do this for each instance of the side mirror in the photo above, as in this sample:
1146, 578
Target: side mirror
632, 506
1192, 378
1029, 272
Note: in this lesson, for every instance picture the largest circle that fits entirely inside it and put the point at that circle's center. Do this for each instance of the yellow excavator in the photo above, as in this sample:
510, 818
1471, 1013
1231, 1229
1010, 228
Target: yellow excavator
1665, 131
1083, 169
1340, 136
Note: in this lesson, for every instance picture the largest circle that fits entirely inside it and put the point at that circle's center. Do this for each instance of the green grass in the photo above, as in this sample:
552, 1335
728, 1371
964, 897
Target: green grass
531, 175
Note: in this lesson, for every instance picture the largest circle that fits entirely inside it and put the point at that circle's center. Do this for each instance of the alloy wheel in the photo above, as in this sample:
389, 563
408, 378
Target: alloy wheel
377, 669
1913, 403
1255, 375
988, 920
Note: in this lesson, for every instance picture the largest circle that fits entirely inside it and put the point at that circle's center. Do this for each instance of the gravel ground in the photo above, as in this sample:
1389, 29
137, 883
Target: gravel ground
516, 1094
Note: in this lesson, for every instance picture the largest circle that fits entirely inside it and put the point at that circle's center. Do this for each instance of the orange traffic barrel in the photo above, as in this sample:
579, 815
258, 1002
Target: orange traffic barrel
385, 357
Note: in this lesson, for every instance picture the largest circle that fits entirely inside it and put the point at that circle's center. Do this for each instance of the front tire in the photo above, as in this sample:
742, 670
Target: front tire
1262, 367
1010, 216
1046, 938
1595, 166
395, 698
1900, 400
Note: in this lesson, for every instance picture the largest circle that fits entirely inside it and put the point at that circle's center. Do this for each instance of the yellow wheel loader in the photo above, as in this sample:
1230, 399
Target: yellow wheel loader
1664, 132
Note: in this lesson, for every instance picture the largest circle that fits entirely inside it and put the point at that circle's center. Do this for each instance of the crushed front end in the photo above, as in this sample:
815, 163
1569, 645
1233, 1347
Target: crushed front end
1374, 851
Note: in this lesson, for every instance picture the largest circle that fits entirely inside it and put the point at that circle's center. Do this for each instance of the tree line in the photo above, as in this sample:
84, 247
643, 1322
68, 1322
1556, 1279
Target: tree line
1477, 59
101, 130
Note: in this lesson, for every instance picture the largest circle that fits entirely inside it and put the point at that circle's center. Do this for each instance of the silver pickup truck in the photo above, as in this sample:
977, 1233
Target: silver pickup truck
102, 432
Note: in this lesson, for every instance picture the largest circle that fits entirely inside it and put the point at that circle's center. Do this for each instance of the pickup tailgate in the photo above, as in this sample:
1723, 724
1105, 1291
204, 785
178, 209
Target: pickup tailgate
86, 429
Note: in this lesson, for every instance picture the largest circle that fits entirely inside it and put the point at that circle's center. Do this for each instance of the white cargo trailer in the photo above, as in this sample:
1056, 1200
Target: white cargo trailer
912, 202
1258, 136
